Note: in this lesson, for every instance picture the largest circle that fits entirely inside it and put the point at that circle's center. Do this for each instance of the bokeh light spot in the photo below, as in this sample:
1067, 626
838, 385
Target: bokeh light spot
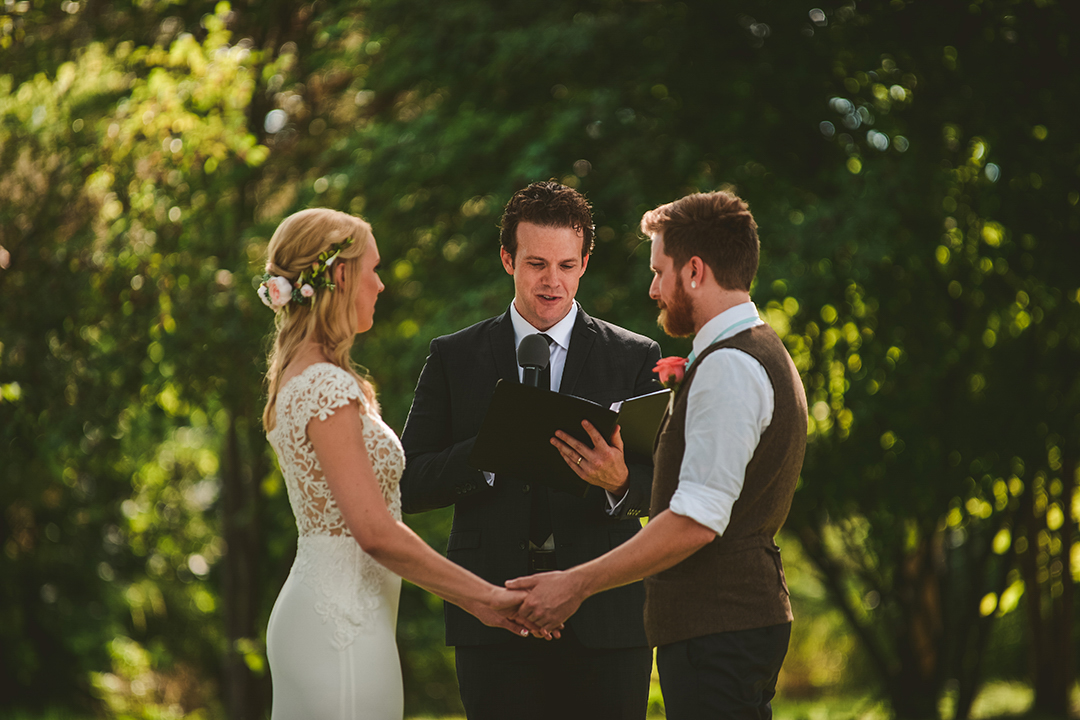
275, 121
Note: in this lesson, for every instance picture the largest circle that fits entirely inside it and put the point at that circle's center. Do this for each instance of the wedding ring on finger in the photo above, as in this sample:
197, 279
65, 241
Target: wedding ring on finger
579, 459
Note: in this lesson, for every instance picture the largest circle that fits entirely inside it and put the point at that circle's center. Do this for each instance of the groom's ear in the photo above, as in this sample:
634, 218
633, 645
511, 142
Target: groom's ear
696, 267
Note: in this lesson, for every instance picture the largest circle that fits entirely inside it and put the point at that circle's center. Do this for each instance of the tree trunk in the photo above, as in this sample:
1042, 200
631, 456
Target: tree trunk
243, 696
1065, 605
910, 668
914, 689
1055, 667
1048, 592
972, 650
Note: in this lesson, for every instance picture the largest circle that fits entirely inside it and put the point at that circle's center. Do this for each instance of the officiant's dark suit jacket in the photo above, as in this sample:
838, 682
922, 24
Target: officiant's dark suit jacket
605, 363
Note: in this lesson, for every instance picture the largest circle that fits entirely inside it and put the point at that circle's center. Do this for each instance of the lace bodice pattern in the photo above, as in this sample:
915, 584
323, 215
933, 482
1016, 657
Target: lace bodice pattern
347, 581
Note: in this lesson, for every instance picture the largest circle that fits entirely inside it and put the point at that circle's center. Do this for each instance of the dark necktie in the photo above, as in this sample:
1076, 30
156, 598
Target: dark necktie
540, 511
545, 374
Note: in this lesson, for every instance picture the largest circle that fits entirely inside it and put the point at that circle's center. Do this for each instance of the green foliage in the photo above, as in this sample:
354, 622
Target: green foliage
910, 167
117, 422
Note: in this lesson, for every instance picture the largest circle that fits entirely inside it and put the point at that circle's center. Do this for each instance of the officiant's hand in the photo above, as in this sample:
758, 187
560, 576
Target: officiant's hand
602, 465
553, 597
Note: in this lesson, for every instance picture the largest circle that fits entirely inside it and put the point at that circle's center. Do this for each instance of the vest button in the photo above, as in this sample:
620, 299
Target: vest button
521, 545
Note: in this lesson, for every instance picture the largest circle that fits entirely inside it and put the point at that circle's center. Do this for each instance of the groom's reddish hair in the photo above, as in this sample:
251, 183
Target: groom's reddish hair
716, 227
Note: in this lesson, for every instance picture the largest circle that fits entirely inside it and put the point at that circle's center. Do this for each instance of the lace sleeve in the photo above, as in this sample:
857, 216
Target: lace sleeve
329, 389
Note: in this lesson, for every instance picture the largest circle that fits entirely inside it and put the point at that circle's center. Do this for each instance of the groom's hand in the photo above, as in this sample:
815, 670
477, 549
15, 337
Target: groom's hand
553, 597
502, 610
602, 465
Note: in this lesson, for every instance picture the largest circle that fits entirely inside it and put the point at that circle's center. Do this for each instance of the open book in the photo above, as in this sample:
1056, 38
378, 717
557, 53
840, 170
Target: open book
515, 436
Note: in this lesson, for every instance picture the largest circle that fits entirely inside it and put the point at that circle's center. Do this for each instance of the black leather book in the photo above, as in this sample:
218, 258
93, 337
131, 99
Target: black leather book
515, 436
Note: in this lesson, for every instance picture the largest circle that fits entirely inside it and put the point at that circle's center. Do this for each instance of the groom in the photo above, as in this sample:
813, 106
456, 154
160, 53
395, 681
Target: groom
504, 527
727, 458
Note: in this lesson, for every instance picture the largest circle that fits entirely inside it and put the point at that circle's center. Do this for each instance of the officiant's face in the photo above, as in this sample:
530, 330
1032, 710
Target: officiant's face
547, 268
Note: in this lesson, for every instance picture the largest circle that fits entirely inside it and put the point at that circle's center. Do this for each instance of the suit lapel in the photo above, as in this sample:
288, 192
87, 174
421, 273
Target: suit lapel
501, 338
581, 342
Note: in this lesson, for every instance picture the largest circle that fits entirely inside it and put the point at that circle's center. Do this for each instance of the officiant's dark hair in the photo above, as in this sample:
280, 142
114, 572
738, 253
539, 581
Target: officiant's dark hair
716, 227
547, 204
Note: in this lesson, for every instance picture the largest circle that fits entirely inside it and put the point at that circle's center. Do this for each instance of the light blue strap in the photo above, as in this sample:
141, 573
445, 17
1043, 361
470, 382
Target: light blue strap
692, 356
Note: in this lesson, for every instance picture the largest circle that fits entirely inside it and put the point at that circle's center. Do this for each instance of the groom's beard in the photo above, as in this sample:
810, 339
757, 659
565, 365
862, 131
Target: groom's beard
677, 317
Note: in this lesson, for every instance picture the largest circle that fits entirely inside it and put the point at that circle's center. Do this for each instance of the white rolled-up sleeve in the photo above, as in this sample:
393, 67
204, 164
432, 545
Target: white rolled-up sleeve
729, 406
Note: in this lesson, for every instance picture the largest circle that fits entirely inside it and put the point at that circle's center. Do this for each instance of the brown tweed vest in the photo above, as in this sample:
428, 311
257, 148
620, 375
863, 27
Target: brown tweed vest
736, 582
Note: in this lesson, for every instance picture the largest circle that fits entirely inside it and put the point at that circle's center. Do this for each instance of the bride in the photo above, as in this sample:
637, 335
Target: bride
330, 640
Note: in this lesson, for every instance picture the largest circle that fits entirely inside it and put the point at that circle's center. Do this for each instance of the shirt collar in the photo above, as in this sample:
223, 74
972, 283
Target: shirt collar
730, 322
559, 332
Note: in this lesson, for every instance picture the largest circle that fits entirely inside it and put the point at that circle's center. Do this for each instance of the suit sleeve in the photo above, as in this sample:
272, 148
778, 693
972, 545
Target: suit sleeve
639, 491
437, 473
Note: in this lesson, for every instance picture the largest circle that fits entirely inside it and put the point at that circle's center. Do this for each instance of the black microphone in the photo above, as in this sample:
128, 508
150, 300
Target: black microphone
533, 356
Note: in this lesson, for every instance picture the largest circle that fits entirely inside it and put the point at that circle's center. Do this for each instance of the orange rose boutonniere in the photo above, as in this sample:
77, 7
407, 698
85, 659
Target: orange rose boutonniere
671, 371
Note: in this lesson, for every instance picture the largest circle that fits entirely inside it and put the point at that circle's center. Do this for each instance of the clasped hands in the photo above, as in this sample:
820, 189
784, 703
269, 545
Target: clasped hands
550, 598
535, 604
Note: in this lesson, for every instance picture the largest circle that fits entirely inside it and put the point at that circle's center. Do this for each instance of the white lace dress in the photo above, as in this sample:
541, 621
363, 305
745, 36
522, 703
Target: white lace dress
330, 640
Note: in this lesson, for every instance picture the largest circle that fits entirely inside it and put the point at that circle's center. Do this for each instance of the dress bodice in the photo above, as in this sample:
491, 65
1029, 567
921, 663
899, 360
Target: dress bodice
318, 392
350, 586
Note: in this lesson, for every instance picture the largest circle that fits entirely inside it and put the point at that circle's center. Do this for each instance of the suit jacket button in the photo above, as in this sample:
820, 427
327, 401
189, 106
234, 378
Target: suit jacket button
524, 488
521, 545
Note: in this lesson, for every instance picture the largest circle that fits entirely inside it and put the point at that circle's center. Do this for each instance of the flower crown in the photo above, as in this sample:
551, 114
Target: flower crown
276, 291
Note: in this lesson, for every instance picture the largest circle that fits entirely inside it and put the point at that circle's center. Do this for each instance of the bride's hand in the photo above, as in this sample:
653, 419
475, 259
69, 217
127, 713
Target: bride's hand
499, 610
509, 604
512, 612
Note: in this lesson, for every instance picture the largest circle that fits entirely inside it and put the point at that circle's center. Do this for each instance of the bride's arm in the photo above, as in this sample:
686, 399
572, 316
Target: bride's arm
339, 445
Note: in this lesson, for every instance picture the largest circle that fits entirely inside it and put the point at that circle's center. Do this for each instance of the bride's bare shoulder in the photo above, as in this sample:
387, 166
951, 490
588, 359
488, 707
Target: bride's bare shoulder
300, 363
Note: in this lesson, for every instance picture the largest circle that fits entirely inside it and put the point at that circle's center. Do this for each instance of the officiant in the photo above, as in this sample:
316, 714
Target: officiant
503, 525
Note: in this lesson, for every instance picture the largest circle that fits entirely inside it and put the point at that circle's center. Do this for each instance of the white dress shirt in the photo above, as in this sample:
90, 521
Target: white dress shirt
730, 404
558, 347
560, 335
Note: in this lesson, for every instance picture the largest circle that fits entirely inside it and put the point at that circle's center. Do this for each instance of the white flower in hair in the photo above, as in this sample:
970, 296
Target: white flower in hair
276, 292
280, 291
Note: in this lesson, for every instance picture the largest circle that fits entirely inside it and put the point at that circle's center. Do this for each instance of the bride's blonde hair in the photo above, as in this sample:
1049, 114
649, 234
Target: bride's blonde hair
330, 319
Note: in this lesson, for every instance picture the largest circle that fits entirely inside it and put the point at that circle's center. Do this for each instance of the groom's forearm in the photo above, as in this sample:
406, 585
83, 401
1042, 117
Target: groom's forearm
665, 541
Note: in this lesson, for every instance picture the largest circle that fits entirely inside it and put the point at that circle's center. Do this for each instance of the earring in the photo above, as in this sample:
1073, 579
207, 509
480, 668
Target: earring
693, 284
